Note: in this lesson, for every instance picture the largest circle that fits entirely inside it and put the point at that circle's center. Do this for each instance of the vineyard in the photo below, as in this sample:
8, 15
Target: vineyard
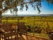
27, 28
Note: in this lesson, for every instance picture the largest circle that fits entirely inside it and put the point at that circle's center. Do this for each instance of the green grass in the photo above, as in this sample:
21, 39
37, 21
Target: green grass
39, 35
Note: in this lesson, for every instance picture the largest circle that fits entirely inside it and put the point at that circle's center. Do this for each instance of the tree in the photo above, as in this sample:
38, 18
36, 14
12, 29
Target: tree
50, 1
12, 5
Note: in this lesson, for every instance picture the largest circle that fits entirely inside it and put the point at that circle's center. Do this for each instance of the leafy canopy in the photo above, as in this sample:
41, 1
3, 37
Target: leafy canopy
12, 5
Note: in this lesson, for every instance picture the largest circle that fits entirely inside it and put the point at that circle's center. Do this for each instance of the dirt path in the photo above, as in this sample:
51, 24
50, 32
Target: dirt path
24, 37
31, 38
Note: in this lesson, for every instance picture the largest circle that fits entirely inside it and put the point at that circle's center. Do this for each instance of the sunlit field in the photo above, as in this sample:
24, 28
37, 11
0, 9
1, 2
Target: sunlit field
41, 22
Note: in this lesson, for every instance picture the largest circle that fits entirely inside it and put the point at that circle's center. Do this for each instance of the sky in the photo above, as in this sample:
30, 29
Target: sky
45, 9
